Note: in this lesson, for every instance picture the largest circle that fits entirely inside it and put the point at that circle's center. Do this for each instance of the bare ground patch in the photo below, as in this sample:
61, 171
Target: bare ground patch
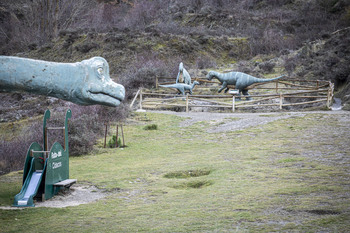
76, 195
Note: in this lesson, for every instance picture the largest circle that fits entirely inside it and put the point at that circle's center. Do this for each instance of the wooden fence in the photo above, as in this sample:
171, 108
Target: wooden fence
295, 91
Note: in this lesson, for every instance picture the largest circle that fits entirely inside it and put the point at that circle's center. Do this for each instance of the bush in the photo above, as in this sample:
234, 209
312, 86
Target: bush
13, 151
267, 66
142, 73
88, 123
204, 62
151, 127
112, 142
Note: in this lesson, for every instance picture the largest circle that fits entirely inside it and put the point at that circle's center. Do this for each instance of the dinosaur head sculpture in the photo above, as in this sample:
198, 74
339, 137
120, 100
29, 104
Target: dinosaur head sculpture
210, 75
85, 83
181, 67
98, 87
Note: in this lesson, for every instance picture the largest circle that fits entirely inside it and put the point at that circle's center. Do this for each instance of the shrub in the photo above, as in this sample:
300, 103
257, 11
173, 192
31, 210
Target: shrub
151, 127
87, 125
267, 66
142, 73
13, 151
204, 62
38, 21
290, 64
112, 142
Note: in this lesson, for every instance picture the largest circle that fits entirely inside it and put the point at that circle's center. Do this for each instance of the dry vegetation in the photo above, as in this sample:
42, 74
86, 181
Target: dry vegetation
142, 39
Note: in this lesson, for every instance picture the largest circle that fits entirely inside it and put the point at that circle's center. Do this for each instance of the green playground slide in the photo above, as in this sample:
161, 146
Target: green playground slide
30, 187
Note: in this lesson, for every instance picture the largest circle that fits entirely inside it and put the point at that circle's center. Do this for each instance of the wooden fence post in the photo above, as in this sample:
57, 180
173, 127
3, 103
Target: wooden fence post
281, 101
121, 126
329, 95
187, 103
133, 101
104, 145
140, 99
116, 138
157, 82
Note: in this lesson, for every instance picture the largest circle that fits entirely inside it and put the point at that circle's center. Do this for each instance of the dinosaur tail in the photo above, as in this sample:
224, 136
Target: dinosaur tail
261, 80
170, 85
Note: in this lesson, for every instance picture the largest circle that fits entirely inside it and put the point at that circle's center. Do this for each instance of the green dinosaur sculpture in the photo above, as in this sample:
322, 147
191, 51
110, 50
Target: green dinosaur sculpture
182, 87
85, 83
239, 79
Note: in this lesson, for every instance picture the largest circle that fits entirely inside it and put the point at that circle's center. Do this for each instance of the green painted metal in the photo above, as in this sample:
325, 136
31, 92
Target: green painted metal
46, 117
28, 162
40, 175
57, 169
34, 162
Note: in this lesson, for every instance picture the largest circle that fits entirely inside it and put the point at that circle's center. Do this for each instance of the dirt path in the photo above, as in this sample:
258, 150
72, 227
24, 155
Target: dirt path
239, 121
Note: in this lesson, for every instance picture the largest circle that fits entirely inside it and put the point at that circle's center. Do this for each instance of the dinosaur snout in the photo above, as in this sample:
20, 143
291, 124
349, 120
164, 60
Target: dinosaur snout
122, 92
116, 90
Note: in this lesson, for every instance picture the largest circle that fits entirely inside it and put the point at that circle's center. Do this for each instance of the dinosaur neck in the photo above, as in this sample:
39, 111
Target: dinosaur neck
40, 77
217, 75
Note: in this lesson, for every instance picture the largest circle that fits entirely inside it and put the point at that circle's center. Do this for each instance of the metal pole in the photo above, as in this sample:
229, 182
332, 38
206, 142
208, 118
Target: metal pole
233, 103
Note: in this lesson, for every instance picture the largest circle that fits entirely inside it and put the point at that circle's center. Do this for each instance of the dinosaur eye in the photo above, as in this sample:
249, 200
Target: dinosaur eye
100, 71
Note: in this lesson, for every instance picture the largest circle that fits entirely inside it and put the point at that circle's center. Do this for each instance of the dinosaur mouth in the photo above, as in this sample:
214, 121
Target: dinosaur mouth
109, 99
105, 99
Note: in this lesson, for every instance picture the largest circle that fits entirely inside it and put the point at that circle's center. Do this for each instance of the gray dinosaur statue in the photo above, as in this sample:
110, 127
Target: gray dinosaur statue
182, 87
85, 83
185, 74
239, 79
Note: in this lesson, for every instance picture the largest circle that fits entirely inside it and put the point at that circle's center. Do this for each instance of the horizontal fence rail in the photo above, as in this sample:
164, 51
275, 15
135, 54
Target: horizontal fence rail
321, 91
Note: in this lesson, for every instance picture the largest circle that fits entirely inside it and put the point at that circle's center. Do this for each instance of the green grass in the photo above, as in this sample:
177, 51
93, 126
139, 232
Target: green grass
183, 179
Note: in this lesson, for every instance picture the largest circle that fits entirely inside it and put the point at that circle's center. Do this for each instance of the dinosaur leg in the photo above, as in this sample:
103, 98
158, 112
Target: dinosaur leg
238, 97
224, 85
245, 92
182, 90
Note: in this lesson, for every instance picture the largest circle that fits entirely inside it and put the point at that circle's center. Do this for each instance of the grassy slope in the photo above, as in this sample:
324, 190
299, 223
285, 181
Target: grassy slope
276, 177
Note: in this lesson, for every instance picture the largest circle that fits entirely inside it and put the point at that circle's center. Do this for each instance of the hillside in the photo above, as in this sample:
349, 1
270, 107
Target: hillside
144, 39
154, 36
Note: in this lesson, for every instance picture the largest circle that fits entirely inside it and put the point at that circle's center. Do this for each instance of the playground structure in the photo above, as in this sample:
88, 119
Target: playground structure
45, 172
276, 95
